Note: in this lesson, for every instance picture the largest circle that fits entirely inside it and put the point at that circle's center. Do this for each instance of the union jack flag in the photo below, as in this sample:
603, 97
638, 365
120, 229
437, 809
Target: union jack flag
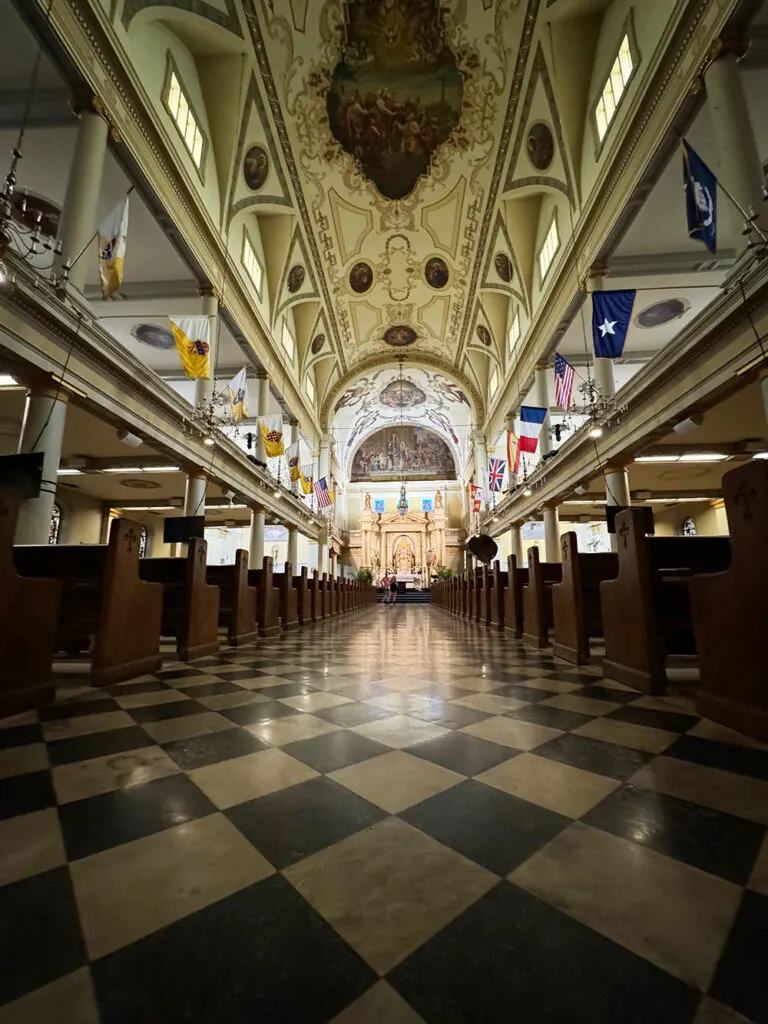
496, 469
564, 374
321, 493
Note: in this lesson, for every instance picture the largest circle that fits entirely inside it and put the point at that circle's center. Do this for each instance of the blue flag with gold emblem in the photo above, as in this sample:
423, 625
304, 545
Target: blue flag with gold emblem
700, 198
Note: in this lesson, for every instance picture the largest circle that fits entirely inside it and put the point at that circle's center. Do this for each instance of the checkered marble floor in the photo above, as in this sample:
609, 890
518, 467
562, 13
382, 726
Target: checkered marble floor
397, 817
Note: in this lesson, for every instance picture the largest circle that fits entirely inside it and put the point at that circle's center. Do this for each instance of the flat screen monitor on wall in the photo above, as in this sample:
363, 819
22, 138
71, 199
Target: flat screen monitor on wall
180, 529
611, 511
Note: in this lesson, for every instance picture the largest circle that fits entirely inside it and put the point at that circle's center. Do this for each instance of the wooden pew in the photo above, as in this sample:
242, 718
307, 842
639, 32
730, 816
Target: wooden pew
454, 599
484, 586
190, 606
288, 598
537, 599
325, 594
463, 595
303, 603
315, 597
497, 600
646, 609
576, 601
340, 596
478, 605
105, 606
268, 599
730, 611
469, 604
237, 599
29, 612
517, 578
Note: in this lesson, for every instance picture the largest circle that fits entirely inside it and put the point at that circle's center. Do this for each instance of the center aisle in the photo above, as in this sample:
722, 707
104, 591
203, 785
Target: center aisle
393, 817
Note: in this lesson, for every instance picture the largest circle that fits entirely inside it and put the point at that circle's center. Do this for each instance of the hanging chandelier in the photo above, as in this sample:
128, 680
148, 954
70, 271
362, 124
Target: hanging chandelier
402, 505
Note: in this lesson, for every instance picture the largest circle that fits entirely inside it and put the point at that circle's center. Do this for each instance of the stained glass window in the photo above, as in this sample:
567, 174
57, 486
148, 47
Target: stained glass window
55, 530
143, 542
378, 505
427, 504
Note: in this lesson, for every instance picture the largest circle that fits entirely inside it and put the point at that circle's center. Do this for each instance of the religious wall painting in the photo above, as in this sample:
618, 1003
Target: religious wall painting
255, 168
400, 336
296, 277
541, 146
396, 93
317, 343
402, 394
503, 265
360, 277
389, 453
436, 272
484, 335
153, 335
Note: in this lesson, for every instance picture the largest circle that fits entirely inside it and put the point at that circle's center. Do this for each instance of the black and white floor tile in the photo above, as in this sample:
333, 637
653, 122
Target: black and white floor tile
395, 817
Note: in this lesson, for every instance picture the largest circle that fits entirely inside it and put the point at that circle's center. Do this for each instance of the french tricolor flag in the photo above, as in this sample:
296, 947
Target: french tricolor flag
528, 428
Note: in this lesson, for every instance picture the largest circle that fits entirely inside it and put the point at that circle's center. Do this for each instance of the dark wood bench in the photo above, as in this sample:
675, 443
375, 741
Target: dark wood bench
517, 578
315, 596
288, 598
576, 603
303, 602
497, 599
268, 599
730, 611
29, 613
484, 585
469, 600
237, 599
190, 605
537, 599
105, 607
647, 609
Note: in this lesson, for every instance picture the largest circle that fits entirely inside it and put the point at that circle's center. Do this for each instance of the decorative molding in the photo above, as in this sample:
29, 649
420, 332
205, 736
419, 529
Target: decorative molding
227, 20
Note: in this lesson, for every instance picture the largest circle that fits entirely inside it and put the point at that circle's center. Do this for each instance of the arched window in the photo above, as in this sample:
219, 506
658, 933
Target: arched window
55, 530
143, 542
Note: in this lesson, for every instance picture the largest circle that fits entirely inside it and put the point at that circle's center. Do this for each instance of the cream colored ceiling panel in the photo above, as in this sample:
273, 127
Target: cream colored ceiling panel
353, 224
365, 319
434, 316
442, 220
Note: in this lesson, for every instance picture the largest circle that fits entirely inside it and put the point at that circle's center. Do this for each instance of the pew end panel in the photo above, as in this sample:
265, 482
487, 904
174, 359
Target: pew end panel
538, 616
238, 600
576, 600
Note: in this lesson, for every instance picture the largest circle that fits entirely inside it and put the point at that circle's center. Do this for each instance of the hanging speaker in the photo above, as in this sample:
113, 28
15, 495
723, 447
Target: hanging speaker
484, 548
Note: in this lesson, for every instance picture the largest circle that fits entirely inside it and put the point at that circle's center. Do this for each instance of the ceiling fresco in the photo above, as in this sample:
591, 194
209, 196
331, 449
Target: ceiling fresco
394, 110
421, 398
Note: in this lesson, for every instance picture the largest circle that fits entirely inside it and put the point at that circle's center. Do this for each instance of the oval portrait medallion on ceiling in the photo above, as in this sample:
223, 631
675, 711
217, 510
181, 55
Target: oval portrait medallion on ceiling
503, 265
255, 167
402, 394
484, 335
663, 312
400, 336
396, 92
296, 277
360, 278
317, 343
436, 272
153, 335
541, 146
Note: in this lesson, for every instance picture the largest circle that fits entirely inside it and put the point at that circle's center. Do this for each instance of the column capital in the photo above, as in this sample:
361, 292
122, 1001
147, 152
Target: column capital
258, 509
617, 465
543, 365
594, 279
41, 385
261, 375
726, 46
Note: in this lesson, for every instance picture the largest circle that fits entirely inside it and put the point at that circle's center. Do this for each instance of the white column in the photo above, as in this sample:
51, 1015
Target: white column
293, 547
602, 369
263, 410
324, 459
194, 493
78, 214
42, 430
616, 490
204, 388
481, 460
739, 167
294, 435
516, 542
256, 554
542, 400
322, 557
552, 534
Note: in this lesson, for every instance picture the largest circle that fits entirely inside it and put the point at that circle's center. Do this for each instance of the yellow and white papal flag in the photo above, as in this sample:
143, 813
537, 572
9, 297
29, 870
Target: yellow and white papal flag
238, 396
192, 335
292, 454
271, 428
113, 232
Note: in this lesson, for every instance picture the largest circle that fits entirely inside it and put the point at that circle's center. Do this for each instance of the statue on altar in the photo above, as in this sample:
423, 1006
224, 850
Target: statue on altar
367, 503
438, 499
404, 558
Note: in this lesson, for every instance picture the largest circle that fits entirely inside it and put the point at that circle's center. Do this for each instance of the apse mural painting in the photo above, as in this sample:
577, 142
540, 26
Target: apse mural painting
396, 93
418, 452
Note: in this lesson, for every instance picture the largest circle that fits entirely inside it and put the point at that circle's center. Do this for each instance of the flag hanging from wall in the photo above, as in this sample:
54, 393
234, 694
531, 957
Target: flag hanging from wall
496, 468
477, 497
323, 495
528, 430
192, 335
113, 234
238, 396
611, 316
512, 451
564, 377
292, 454
307, 479
271, 428
700, 198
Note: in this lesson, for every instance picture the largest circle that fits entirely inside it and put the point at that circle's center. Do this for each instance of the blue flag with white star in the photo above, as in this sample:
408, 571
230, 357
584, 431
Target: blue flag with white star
700, 198
611, 315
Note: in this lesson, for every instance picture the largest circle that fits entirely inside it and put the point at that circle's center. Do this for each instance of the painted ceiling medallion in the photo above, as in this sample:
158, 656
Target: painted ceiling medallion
503, 265
140, 485
484, 335
436, 272
396, 92
317, 343
154, 336
541, 146
296, 277
360, 278
400, 336
660, 313
255, 168
402, 395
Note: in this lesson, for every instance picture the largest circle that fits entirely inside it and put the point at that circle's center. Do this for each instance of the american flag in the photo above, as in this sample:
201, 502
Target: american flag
496, 469
564, 374
321, 493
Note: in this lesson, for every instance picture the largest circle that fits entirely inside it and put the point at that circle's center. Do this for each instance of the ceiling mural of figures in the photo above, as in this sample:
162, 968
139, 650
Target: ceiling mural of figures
416, 452
396, 93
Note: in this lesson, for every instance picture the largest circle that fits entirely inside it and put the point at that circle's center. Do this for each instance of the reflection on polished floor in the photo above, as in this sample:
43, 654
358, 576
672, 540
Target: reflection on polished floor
397, 817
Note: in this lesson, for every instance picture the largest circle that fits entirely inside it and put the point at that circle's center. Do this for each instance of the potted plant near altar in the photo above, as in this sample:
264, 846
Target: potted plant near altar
442, 572
365, 575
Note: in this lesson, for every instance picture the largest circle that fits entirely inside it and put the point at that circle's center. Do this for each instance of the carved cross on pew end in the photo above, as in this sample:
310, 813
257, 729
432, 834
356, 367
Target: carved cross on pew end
745, 496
